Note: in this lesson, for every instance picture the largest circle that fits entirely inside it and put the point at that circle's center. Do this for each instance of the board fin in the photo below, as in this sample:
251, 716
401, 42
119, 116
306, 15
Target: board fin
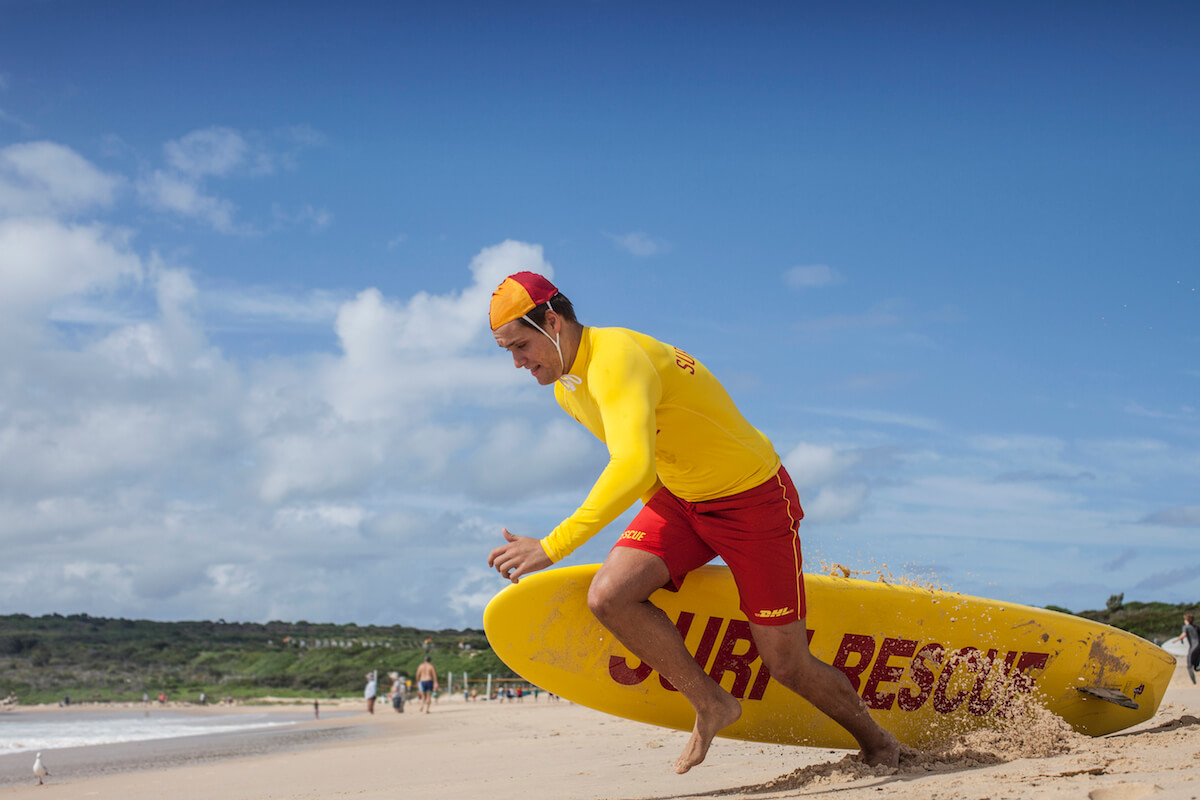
1111, 695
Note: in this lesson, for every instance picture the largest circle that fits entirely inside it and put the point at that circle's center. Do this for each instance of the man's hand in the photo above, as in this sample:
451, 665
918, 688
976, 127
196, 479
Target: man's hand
520, 555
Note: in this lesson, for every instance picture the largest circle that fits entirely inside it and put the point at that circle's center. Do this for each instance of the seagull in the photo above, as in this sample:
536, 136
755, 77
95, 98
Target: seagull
39, 769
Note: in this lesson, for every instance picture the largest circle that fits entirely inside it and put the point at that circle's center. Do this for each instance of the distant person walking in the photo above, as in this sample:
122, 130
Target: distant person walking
1192, 634
427, 680
398, 692
370, 692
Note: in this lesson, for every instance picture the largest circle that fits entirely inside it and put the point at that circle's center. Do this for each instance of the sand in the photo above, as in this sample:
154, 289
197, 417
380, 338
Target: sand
468, 751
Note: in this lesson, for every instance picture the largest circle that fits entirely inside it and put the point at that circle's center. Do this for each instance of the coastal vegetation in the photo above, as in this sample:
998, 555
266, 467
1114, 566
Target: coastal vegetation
1154, 621
95, 659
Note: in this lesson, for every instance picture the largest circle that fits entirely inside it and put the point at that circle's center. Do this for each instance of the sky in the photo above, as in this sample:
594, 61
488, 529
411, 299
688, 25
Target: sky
944, 255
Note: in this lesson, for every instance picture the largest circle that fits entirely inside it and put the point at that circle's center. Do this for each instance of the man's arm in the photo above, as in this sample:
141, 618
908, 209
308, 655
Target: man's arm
627, 389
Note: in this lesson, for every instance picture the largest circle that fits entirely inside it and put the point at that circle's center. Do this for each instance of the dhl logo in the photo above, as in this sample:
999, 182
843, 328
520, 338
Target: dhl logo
774, 612
948, 680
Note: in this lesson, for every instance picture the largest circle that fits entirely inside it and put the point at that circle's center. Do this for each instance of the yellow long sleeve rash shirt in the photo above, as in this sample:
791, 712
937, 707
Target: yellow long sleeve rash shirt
666, 422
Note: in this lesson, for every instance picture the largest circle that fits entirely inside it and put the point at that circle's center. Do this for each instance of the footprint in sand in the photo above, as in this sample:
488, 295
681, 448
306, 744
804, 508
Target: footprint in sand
1124, 791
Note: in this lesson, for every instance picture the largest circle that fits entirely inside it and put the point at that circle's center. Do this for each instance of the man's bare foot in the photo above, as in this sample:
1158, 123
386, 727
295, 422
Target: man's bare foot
708, 725
886, 754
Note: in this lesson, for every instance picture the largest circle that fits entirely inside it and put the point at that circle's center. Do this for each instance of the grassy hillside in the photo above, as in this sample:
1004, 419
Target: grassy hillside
43, 659
1154, 621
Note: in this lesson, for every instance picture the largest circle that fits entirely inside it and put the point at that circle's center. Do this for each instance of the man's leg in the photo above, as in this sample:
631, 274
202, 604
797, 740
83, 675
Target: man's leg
784, 649
619, 597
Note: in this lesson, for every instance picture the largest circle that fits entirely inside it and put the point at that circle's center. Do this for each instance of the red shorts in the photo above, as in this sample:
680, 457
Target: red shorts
754, 532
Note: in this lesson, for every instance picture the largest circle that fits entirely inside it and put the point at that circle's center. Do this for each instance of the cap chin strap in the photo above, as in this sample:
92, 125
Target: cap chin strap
569, 382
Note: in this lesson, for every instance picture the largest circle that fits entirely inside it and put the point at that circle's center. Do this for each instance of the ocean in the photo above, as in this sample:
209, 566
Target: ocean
23, 731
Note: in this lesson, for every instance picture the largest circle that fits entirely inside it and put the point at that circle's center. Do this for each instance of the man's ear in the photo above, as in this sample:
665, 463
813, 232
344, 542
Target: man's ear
553, 322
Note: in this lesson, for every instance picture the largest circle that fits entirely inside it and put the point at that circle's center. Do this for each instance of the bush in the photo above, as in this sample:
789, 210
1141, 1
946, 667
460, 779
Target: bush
121, 659
15, 645
41, 656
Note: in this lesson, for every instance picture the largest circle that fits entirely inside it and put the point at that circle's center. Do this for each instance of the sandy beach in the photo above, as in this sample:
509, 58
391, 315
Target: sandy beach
544, 749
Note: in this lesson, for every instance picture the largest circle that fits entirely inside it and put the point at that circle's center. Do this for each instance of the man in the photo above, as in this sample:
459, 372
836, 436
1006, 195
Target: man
427, 681
370, 691
1190, 634
711, 485
399, 691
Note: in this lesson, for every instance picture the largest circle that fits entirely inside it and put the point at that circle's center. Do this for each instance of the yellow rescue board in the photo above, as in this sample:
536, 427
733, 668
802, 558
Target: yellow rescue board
927, 663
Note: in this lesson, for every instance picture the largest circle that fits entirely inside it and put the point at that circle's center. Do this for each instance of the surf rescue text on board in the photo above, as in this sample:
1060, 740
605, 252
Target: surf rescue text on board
876, 669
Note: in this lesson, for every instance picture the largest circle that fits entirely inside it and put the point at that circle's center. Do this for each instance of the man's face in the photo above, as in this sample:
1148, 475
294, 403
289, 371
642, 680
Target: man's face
531, 349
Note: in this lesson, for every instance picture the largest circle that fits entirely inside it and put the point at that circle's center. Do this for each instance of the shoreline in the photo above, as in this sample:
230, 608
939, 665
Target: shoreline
91, 761
466, 750
237, 707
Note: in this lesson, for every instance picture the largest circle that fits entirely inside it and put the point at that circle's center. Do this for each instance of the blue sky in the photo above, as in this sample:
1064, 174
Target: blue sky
943, 254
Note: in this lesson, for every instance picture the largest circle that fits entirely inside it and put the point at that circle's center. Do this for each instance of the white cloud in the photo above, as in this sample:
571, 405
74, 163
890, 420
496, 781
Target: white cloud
331, 460
814, 464
216, 152
44, 178
639, 244
836, 503
813, 276
1043, 448
15, 121
268, 489
377, 406
232, 580
878, 417
519, 456
254, 304
211, 151
1181, 414
983, 496
171, 344
1179, 517
471, 593
419, 350
1174, 577
338, 515
823, 474
281, 149
42, 260
307, 216
182, 195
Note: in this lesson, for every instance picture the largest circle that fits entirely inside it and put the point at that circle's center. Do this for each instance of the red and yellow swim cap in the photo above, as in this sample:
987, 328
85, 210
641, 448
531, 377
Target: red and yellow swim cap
517, 295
